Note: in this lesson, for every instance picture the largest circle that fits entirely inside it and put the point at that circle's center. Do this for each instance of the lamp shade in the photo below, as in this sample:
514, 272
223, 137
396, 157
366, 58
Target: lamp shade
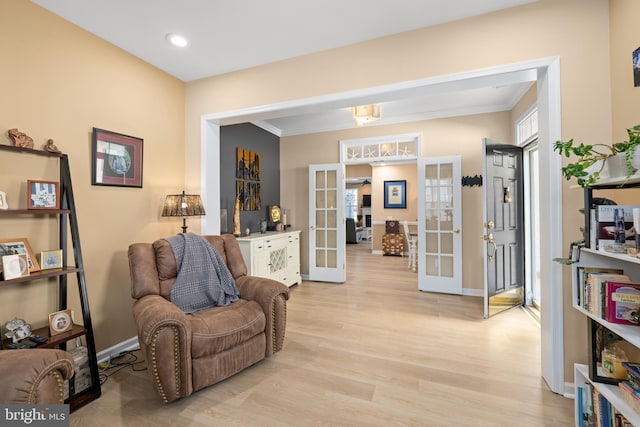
183, 205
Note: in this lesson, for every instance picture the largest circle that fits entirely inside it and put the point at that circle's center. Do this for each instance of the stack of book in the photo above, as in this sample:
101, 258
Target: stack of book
608, 294
596, 411
630, 389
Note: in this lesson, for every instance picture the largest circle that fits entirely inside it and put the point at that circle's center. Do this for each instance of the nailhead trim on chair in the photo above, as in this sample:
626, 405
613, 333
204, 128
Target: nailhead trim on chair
60, 386
176, 347
274, 336
33, 392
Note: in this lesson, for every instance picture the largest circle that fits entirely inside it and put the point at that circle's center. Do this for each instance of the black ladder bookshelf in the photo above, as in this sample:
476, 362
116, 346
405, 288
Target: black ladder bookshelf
68, 223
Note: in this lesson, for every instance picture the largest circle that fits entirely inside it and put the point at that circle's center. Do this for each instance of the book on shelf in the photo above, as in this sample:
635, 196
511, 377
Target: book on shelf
598, 291
585, 293
629, 395
596, 411
622, 299
606, 233
633, 369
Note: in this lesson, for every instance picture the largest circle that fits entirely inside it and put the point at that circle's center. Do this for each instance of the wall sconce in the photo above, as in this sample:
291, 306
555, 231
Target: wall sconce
183, 205
507, 195
365, 114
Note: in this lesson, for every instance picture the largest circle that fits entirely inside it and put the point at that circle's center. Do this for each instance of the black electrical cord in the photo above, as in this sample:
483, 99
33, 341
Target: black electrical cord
116, 364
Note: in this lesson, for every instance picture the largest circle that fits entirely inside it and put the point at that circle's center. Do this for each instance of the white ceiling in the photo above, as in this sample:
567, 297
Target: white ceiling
226, 36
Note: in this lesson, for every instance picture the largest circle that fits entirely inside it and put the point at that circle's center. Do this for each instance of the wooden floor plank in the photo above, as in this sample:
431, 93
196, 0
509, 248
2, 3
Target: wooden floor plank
373, 351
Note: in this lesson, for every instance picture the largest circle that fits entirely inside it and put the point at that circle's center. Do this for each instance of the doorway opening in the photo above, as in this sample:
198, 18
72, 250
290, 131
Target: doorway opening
547, 74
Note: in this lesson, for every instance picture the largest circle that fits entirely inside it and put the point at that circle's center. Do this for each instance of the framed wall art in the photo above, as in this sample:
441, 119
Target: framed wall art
635, 56
116, 159
43, 195
19, 245
395, 194
248, 176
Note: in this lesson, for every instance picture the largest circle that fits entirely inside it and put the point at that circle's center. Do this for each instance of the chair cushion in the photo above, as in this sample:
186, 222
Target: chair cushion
217, 329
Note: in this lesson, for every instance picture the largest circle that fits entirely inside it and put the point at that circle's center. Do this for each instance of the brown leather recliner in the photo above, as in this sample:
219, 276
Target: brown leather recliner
187, 352
34, 376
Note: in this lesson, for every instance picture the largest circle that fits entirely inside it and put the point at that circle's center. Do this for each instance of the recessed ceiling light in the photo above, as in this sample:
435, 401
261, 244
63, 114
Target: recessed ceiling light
177, 40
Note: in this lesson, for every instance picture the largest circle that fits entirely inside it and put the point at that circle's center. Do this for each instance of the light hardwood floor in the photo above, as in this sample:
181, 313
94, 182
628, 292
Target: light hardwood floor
373, 351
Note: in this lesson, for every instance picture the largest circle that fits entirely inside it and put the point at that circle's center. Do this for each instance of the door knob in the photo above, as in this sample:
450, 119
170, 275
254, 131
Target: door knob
489, 224
456, 231
487, 237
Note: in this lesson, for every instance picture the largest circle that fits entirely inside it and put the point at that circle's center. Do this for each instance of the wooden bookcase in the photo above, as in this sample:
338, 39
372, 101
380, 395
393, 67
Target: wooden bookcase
68, 224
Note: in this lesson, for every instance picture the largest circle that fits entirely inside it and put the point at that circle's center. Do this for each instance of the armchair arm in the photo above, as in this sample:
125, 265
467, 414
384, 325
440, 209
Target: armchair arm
272, 296
34, 376
164, 333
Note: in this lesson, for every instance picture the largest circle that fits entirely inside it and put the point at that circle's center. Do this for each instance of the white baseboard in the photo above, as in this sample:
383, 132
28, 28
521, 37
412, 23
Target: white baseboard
569, 390
116, 350
472, 292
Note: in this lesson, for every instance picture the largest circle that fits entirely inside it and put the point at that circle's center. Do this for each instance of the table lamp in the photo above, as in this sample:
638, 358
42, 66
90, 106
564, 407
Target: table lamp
183, 205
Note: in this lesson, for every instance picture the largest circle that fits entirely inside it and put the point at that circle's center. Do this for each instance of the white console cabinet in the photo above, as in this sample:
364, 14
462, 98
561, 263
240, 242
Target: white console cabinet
274, 255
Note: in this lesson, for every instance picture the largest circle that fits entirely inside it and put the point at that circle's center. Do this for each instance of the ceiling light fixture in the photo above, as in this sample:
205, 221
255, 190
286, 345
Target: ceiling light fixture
365, 114
177, 40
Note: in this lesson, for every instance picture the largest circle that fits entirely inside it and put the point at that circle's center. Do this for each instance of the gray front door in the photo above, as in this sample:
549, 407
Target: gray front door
503, 227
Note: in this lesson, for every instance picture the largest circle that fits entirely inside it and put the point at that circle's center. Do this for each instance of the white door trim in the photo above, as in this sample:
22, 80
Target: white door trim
547, 73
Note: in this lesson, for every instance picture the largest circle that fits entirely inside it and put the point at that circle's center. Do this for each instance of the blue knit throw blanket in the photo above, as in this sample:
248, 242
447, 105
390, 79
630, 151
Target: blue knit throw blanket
203, 278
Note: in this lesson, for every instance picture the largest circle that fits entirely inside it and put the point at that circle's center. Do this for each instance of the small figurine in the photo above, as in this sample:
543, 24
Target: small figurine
51, 147
20, 139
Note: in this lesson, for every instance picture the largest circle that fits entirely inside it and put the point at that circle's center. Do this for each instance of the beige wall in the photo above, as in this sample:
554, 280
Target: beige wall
625, 38
575, 30
441, 137
58, 81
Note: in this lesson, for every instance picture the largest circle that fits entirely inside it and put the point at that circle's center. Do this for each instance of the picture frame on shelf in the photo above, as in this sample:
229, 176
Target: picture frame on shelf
395, 194
600, 338
19, 245
60, 322
116, 159
51, 259
43, 194
14, 266
3, 201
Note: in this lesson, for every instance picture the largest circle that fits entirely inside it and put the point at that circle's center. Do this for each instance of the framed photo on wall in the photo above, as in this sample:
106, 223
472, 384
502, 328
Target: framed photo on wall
395, 194
116, 159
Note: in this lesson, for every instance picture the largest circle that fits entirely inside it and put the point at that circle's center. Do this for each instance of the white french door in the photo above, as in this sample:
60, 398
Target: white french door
327, 243
440, 224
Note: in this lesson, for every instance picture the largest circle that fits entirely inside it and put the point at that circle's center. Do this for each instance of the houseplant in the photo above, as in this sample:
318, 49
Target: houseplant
591, 160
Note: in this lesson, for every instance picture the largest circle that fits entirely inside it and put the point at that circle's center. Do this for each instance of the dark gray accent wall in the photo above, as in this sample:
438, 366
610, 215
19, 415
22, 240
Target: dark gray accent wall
253, 138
